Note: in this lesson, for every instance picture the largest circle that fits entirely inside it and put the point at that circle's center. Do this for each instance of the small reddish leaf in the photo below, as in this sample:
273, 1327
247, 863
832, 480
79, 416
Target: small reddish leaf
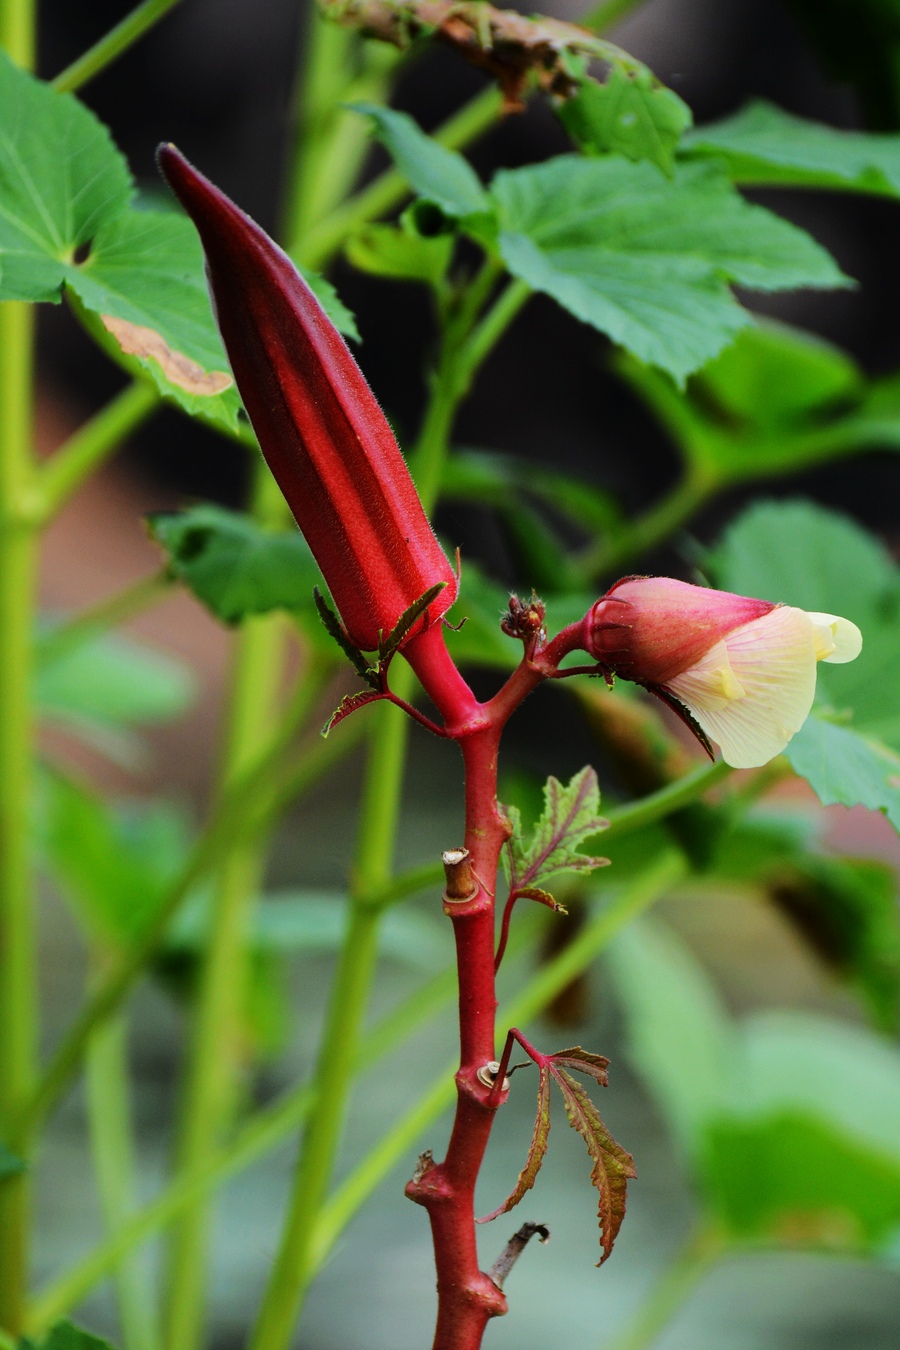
348, 705
570, 817
536, 1151
583, 1061
612, 1165
542, 897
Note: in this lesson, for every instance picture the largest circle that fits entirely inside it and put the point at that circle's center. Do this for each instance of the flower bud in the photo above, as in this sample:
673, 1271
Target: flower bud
744, 670
319, 425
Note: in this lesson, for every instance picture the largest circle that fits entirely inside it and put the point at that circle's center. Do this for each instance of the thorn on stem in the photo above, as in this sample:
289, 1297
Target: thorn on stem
514, 1249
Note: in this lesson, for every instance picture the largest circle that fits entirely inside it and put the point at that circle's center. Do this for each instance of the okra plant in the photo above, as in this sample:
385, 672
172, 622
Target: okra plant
639, 232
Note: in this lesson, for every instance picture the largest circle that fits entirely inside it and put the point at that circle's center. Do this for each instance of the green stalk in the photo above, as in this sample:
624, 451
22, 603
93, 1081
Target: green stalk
88, 447
650, 530
260, 795
18, 567
113, 44
387, 191
109, 1112
215, 1055
334, 140
703, 1248
294, 1268
665, 801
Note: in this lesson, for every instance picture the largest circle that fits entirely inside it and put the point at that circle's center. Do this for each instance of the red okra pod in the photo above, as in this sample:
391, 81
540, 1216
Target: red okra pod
319, 425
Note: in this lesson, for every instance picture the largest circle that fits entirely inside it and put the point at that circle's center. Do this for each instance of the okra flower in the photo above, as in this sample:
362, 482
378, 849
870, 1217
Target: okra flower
319, 425
744, 670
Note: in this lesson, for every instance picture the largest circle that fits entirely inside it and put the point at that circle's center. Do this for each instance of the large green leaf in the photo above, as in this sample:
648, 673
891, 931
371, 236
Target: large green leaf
103, 687
773, 376
234, 566
433, 172
791, 1121
648, 261
846, 768
762, 145
144, 285
679, 1036
61, 179
67, 224
794, 1180
114, 865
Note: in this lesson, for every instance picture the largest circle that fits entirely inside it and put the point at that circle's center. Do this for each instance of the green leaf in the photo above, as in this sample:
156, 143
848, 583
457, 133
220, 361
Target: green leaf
612, 1166
570, 816
100, 688
433, 172
67, 1336
67, 225
10, 1164
774, 376
791, 1120
343, 319
629, 114
843, 1073
847, 769
764, 145
115, 866
400, 252
648, 261
234, 566
537, 1149
142, 293
61, 178
678, 1033
796, 1181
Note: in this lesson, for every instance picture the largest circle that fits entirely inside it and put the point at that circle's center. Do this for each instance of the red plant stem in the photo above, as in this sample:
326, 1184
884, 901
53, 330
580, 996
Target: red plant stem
467, 1297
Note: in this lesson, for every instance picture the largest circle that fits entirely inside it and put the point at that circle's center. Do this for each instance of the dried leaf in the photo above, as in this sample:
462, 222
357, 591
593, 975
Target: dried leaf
508, 45
349, 704
180, 370
584, 1061
407, 620
542, 897
570, 816
612, 1165
536, 1151
333, 625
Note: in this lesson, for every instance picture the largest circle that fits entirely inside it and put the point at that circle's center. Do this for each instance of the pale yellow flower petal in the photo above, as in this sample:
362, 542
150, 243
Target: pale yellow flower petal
753, 689
837, 640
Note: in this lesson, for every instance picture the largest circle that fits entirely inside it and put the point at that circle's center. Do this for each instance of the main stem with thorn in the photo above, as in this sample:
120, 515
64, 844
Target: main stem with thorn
468, 1297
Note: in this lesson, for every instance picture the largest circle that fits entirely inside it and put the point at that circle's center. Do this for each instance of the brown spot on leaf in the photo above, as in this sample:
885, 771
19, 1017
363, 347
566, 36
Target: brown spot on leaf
177, 368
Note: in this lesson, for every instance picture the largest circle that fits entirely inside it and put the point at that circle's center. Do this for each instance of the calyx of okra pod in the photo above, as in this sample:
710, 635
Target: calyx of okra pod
319, 425
742, 672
